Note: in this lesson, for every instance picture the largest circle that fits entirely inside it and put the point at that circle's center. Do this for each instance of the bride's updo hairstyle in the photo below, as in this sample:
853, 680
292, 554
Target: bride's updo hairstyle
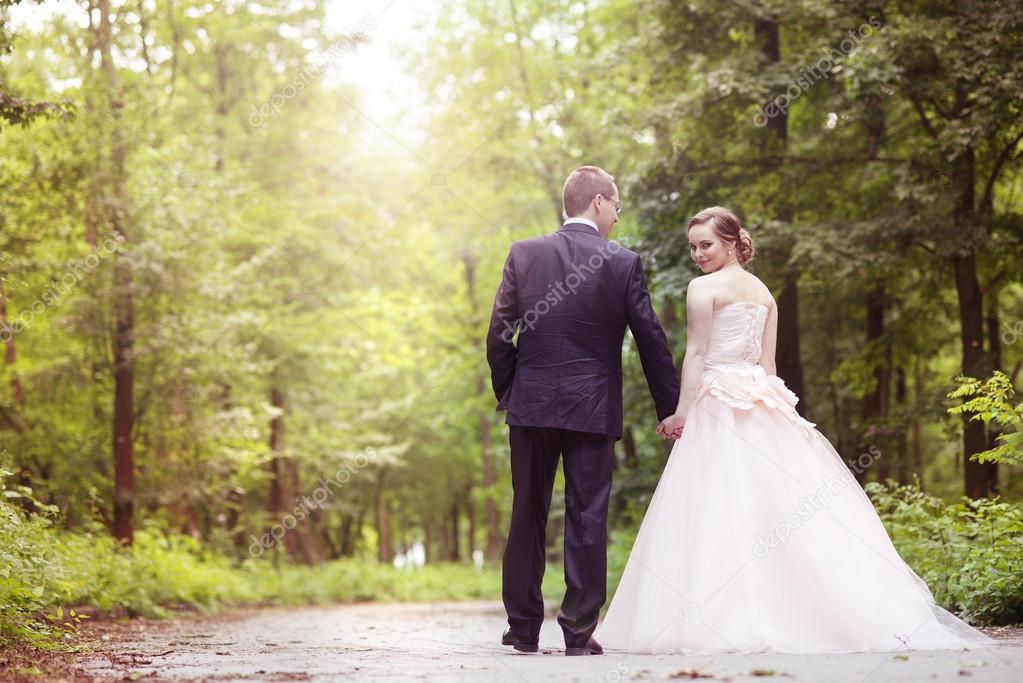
728, 227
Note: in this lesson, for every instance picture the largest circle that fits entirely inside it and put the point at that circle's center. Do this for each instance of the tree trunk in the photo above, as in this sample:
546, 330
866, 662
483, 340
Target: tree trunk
427, 541
768, 37
788, 357
234, 507
124, 362
994, 340
839, 411
917, 430
470, 513
124, 386
275, 496
445, 537
281, 480
385, 551
223, 105
347, 537
876, 126
901, 443
10, 358
872, 400
971, 323
305, 531
495, 540
455, 555
876, 404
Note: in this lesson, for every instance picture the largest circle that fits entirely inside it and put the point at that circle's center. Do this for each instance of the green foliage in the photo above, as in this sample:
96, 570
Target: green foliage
282, 241
47, 576
970, 553
15, 110
990, 401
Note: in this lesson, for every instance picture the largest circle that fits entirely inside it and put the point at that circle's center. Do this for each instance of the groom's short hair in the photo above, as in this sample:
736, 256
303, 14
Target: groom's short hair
582, 185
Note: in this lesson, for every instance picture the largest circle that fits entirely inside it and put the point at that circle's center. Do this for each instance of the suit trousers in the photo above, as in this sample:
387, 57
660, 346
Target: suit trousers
589, 461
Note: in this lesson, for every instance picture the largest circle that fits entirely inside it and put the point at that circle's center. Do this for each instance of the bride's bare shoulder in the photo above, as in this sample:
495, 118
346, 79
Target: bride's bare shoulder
700, 287
765, 297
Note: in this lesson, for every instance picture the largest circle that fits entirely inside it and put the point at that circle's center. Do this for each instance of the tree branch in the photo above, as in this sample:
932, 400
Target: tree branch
923, 117
938, 109
987, 199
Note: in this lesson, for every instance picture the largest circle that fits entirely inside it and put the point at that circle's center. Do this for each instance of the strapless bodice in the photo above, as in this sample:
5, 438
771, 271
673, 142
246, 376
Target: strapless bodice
736, 335
731, 370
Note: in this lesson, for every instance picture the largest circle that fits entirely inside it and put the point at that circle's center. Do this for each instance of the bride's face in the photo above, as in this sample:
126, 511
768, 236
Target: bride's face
707, 250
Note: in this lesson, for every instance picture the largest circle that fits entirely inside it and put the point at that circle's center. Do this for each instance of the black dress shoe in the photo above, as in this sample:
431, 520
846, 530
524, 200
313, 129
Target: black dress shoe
592, 647
507, 638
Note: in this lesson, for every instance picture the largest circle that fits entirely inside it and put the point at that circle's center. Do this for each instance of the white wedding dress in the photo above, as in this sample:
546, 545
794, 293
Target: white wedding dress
759, 539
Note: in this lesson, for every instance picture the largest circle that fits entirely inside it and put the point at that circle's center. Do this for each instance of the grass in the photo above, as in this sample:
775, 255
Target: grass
48, 577
970, 554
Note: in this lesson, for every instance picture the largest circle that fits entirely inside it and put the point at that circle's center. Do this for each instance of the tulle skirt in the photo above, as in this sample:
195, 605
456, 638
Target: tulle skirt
759, 539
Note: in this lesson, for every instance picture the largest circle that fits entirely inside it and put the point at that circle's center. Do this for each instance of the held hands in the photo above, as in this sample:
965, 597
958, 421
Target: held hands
671, 427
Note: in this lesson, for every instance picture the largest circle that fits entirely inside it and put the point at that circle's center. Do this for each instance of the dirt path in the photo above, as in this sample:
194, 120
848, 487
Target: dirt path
459, 642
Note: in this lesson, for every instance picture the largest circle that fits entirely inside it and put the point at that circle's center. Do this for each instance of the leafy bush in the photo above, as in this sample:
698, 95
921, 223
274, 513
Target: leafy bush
45, 573
969, 553
990, 401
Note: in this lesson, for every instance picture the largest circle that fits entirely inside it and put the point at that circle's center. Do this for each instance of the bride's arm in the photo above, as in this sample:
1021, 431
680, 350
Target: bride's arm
699, 316
770, 341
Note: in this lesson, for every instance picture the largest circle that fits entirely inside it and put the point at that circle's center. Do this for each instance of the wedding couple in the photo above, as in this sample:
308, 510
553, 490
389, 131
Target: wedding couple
757, 537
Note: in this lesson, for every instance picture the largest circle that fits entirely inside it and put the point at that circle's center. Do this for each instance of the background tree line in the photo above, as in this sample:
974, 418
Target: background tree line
273, 302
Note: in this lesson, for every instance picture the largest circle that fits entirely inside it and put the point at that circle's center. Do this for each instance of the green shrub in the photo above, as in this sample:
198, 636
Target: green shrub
45, 573
991, 402
969, 553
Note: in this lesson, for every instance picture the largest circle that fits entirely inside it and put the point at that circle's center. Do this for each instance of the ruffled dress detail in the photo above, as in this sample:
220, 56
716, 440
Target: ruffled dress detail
759, 539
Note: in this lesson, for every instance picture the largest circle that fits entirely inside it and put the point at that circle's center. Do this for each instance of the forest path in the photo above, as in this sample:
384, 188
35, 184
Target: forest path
459, 642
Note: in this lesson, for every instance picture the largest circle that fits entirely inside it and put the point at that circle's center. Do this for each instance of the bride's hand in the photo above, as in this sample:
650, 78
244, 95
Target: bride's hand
671, 427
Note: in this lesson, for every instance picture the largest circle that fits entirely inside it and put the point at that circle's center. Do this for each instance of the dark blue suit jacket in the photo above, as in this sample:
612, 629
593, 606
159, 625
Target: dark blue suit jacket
569, 296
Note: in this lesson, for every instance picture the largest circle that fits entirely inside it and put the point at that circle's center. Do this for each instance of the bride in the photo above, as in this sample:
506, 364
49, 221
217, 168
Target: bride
758, 538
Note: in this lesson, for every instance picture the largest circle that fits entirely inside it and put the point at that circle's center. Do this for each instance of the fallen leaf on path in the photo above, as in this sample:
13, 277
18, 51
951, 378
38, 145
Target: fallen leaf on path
693, 674
769, 672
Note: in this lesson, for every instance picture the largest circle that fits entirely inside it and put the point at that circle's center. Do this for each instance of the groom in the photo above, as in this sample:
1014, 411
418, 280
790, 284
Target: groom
569, 296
